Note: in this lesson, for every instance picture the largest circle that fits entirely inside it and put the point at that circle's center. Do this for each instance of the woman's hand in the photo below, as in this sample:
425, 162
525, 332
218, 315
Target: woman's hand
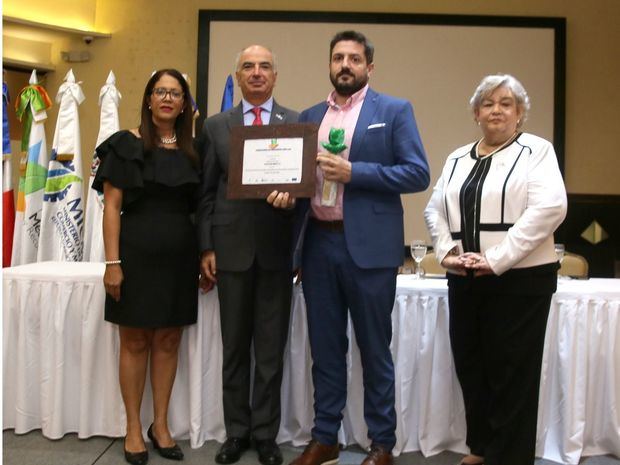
205, 284
208, 265
455, 264
208, 270
476, 262
112, 280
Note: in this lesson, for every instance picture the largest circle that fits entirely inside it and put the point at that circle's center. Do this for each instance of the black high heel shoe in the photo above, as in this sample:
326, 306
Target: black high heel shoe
136, 458
171, 453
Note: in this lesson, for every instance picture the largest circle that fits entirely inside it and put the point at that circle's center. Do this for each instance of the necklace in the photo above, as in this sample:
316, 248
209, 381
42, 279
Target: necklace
510, 139
169, 140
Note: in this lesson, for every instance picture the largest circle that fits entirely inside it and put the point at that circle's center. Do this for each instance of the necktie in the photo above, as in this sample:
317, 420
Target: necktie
257, 119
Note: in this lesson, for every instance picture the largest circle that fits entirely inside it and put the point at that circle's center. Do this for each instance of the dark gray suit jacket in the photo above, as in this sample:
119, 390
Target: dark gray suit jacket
239, 230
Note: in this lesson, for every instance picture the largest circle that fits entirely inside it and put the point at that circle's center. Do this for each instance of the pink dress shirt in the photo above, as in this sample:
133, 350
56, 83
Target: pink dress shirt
337, 116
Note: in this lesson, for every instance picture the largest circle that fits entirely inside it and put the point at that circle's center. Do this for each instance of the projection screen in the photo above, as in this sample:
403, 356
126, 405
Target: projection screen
434, 61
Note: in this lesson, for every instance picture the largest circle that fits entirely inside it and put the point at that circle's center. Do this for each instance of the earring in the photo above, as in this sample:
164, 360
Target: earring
149, 107
518, 122
476, 122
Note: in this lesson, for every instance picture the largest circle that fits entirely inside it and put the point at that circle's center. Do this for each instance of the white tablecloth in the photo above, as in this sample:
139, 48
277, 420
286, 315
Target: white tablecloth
61, 367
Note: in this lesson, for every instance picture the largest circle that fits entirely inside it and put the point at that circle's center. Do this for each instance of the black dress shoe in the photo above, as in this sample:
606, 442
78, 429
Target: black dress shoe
231, 450
136, 458
268, 452
171, 453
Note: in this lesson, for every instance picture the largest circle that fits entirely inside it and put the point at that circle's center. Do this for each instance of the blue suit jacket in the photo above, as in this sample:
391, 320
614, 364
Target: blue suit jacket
387, 159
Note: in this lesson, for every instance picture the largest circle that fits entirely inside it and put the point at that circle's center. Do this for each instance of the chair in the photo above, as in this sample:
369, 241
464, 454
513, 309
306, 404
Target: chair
431, 265
407, 267
574, 265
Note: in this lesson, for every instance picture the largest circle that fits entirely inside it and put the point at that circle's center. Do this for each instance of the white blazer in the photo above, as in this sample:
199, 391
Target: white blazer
520, 201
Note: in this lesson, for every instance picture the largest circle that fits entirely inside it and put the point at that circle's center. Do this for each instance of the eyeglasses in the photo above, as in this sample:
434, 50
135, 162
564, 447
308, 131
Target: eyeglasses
161, 92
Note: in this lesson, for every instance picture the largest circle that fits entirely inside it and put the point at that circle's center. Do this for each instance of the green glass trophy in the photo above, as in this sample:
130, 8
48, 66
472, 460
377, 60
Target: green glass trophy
335, 146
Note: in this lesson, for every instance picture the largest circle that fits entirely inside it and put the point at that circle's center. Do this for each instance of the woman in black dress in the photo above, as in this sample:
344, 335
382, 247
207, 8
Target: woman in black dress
149, 177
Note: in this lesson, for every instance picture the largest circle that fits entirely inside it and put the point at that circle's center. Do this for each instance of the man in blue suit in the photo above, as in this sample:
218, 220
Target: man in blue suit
351, 243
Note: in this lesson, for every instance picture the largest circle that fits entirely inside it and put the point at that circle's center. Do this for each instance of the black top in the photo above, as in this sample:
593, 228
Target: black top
157, 243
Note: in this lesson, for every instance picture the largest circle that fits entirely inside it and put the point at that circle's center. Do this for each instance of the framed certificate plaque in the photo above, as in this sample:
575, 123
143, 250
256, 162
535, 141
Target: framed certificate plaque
278, 157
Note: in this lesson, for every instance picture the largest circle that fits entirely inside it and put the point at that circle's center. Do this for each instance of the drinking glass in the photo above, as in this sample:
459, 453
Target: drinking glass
418, 250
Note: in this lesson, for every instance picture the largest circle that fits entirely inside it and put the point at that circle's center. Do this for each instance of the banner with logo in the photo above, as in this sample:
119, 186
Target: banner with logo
109, 100
62, 221
30, 107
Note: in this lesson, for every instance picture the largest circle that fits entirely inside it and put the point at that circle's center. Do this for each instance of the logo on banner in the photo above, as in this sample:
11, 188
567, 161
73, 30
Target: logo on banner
60, 178
68, 217
69, 223
32, 225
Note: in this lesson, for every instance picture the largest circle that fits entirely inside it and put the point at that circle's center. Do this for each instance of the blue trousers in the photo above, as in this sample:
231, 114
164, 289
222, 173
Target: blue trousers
334, 286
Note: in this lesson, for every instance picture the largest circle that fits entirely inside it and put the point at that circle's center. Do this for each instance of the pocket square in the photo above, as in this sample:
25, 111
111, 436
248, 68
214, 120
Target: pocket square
376, 125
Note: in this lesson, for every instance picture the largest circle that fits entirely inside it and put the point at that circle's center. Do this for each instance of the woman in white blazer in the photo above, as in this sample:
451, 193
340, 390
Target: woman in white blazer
491, 218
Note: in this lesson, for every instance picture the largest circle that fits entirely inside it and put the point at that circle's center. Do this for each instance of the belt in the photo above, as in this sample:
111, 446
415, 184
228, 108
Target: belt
333, 226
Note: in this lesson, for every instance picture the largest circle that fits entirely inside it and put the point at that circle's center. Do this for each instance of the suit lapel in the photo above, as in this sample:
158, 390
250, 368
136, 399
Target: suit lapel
235, 117
318, 114
278, 115
369, 107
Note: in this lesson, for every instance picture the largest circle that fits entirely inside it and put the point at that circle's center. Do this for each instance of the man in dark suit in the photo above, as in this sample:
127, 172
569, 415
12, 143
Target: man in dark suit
246, 249
353, 245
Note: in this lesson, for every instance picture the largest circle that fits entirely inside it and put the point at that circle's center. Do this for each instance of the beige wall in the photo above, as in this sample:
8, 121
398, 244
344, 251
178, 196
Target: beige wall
78, 14
150, 34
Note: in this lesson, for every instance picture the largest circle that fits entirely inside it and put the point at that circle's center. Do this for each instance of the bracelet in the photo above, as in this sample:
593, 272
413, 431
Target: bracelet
112, 262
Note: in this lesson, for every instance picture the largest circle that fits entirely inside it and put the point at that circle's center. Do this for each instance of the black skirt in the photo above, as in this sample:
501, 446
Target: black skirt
157, 244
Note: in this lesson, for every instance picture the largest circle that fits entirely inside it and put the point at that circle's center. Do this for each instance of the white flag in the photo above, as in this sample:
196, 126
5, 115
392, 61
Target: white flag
109, 99
62, 223
30, 196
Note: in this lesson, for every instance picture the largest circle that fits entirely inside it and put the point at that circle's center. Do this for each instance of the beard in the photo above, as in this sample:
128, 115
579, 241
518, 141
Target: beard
348, 88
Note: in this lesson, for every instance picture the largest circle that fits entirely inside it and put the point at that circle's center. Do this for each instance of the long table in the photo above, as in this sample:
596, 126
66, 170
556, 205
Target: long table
60, 367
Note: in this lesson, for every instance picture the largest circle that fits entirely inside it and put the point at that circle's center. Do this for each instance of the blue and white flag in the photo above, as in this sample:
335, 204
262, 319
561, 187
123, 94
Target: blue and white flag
62, 222
31, 104
109, 99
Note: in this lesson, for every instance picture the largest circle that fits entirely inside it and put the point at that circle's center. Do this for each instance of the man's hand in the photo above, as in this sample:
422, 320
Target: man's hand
334, 167
281, 200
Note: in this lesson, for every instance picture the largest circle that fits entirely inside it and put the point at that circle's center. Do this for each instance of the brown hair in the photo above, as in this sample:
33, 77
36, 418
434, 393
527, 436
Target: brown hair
369, 49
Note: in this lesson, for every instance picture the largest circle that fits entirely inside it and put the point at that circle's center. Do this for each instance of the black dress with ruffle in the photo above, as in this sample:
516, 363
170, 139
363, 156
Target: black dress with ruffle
157, 246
